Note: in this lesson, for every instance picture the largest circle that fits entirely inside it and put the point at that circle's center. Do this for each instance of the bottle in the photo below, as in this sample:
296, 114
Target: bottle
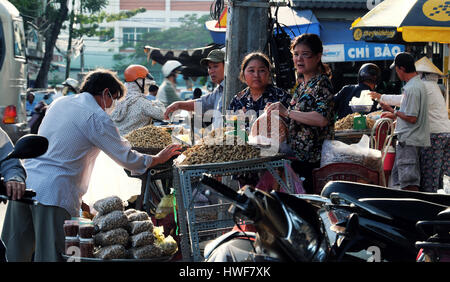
71, 242
86, 248
71, 228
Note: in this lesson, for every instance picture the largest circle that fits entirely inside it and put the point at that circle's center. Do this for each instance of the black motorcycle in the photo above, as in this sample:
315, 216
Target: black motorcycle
379, 220
288, 228
347, 222
28, 146
437, 246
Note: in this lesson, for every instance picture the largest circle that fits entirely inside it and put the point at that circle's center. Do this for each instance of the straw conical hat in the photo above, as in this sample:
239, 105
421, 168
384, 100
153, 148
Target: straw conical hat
425, 65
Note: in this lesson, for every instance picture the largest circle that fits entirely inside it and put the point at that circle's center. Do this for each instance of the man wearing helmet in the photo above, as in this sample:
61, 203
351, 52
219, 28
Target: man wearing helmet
70, 86
368, 78
213, 101
167, 93
135, 110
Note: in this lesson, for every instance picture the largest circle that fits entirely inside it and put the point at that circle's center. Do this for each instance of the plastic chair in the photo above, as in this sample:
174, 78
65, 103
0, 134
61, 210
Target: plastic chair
343, 171
381, 139
382, 132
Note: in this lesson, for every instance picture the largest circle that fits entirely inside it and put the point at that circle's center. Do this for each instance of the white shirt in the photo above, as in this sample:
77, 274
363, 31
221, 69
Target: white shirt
437, 112
77, 129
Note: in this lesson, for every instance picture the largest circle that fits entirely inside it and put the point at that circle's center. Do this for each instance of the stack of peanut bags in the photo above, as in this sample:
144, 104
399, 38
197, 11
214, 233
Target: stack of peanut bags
128, 234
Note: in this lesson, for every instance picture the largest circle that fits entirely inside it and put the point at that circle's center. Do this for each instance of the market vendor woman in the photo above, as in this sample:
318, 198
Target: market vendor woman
310, 112
256, 73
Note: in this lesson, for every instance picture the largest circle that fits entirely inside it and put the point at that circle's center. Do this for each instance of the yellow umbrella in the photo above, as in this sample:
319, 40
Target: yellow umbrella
403, 21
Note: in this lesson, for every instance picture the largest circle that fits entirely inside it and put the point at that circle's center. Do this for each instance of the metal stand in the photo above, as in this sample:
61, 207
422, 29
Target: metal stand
189, 222
151, 193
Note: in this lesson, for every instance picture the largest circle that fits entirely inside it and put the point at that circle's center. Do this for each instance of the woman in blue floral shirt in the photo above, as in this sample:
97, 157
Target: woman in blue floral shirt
310, 112
255, 72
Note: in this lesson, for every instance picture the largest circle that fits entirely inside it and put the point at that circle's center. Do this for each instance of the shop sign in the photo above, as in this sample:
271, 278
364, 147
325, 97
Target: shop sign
349, 52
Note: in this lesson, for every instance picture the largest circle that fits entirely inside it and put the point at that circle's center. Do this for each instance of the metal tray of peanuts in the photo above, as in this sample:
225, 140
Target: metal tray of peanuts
225, 165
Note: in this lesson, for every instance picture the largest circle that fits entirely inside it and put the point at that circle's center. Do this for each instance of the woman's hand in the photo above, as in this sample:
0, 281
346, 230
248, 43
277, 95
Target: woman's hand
15, 189
282, 111
165, 154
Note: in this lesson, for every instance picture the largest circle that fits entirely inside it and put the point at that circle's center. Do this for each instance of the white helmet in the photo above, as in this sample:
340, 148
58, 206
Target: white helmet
169, 67
72, 83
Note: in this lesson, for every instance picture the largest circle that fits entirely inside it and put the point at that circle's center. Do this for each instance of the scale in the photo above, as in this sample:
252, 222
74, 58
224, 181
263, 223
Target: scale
359, 122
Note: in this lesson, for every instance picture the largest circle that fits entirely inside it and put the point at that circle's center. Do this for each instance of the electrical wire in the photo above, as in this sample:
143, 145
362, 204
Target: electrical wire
216, 9
235, 219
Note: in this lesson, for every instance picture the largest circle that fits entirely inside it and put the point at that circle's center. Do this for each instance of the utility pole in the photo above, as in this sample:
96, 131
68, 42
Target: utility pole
247, 27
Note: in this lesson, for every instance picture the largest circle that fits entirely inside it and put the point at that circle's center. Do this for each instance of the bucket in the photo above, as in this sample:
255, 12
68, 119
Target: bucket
389, 161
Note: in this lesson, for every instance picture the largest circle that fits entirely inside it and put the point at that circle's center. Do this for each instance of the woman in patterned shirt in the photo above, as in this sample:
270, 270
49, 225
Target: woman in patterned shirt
256, 73
310, 112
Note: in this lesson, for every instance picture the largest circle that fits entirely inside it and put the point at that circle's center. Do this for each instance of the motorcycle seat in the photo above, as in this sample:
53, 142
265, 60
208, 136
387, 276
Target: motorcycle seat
406, 210
359, 190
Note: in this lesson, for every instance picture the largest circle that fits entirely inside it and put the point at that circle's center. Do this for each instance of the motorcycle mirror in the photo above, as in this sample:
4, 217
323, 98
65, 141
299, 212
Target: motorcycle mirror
28, 146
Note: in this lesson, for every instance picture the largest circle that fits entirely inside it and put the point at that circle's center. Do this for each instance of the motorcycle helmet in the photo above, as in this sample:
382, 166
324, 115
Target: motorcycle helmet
134, 72
71, 83
369, 72
170, 66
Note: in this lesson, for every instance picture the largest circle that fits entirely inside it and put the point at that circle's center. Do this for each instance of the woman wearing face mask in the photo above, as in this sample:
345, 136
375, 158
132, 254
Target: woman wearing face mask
310, 112
77, 129
135, 110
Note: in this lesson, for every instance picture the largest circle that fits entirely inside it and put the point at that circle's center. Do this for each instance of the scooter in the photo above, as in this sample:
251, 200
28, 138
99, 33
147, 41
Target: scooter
379, 220
346, 219
437, 246
28, 146
288, 228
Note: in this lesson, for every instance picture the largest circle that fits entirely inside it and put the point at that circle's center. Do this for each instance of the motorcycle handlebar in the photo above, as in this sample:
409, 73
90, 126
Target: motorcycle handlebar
223, 189
26, 197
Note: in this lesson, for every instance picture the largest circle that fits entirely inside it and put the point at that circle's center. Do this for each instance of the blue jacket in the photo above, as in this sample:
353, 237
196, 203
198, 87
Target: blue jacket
345, 95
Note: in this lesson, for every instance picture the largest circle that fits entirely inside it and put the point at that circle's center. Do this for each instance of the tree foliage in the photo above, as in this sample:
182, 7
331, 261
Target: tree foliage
88, 22
192, 33
48, 18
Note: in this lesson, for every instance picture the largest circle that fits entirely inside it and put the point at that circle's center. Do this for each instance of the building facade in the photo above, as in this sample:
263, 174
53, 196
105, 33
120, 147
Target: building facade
160, 14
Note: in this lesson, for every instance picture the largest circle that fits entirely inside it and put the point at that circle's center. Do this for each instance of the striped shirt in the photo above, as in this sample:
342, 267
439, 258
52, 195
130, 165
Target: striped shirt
77, 129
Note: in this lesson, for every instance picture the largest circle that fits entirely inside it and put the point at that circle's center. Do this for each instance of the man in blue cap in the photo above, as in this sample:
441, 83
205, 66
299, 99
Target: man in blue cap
215, 62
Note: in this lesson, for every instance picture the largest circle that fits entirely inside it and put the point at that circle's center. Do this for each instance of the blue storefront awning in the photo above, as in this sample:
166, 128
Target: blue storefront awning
339, 46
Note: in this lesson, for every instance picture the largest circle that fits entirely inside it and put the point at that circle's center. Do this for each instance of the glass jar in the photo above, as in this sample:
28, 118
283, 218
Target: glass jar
70, 243
71, 228
87, 248
86, 230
